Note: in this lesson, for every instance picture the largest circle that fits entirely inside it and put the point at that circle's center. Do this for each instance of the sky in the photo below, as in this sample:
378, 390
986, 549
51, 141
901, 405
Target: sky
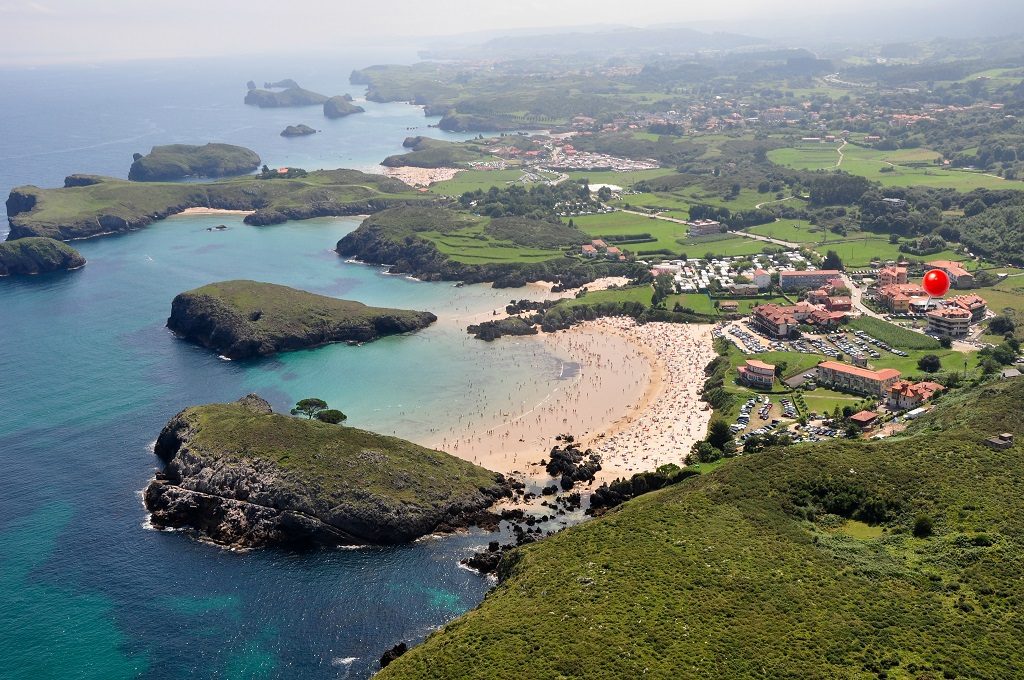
87, 31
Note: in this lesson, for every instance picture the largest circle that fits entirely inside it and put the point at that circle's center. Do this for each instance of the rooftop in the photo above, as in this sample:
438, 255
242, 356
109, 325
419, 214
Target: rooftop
883, 374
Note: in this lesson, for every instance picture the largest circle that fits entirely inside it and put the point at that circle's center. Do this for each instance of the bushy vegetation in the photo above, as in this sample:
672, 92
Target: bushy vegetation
804, 561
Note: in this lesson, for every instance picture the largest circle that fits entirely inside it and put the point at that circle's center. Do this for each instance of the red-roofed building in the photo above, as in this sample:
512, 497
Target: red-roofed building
762, 279
864, 419
896, 297
949, 322
958, 276
757, 374
907, 395
975, 304
589, 251
847, 378
892, 276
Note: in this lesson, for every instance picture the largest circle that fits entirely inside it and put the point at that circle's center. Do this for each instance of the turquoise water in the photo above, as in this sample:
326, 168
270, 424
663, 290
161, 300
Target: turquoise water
89, 375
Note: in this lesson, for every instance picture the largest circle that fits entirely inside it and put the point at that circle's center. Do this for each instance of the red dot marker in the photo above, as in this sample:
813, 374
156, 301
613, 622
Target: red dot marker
936, 283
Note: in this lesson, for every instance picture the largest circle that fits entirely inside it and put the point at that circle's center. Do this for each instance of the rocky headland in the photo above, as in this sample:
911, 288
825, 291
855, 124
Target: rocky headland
297, 131
243, 476
341, 106
245, 319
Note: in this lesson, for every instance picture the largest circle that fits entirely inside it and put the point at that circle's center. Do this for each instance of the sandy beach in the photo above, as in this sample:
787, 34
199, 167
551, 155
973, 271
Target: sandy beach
630, 392
420, 177
214, 211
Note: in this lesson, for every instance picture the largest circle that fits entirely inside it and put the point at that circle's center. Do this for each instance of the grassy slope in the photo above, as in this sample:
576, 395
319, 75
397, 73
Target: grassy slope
174, 161
129, 200
339, 459
36, 254
723, 575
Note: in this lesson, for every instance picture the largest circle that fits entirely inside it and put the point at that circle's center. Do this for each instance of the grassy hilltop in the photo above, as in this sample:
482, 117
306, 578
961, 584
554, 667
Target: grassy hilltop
36, 256
247, 318
177, 161
796, 562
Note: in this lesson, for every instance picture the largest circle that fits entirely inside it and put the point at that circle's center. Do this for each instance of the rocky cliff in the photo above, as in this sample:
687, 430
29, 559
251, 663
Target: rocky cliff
178, 161
243, 476
341, 106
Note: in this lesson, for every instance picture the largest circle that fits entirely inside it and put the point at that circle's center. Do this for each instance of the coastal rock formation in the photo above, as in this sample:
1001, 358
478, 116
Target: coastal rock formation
297, 131
37, 256
291, 96
243, 319
178, 161
341, 106
281, 84
244, 476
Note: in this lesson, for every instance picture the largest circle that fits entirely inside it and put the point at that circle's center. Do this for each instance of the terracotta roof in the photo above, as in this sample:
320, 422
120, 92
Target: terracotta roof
864, 417
810, 272
754, 363
954, 268
883, 374
950, 313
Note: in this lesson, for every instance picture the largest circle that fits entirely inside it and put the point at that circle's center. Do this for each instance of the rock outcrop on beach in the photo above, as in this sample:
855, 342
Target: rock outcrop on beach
243, 476
37, 256
297, 131
244, 319
178, 161
341, 106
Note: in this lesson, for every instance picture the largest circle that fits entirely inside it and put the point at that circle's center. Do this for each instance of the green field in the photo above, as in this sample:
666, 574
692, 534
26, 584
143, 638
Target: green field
892, 334
621, 224
471, 180
641, 294
794, 231
910, 167
730, 246
823, 401
622, 179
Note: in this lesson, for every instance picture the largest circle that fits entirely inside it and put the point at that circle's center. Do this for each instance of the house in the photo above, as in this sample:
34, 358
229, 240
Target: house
897, 297
704, 227
613, 252
838, 303
847, 378
775, 321
949, 322
589, 251
757, 374
904, 394
744, 289
958, 276
806, 280
762, 279
864, 419
974, 304
890, 276
729, 306
1000, 441
599, 244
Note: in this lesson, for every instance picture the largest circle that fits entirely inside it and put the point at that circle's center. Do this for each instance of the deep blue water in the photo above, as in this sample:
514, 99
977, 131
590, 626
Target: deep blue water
89, 374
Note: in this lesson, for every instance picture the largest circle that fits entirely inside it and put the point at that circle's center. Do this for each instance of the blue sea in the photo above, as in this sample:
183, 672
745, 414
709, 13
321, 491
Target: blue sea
89, 375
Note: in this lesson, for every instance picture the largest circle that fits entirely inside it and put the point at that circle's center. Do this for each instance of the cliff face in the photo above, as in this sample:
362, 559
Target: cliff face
37, 256
244, 319
226, 477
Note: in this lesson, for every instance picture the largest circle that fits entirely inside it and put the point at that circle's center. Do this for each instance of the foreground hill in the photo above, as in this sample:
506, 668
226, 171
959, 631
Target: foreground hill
37, 256
799, 562
90, 205
242, 319
244, 476
178, 161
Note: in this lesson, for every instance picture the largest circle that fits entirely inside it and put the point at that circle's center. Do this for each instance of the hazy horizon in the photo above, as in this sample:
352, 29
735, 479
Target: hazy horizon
36, 32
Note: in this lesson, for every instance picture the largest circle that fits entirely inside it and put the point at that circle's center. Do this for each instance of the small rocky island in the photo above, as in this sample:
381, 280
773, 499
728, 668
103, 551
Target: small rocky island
297, 131
341, 106
244, 476
283, 93
178, 161
244, 319
37, 255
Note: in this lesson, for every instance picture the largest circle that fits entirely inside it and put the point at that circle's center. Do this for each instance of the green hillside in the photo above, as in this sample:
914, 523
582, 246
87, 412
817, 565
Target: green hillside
799, 562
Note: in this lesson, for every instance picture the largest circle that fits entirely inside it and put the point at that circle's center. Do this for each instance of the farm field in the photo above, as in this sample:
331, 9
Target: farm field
471, 180
623, 224
794, 231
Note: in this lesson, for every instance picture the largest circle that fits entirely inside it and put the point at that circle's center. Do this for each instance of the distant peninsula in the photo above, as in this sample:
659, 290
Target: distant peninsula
244, 476
297, 131
291, 95
92, 205
341, 106
244, 319
178, 161
37, 256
